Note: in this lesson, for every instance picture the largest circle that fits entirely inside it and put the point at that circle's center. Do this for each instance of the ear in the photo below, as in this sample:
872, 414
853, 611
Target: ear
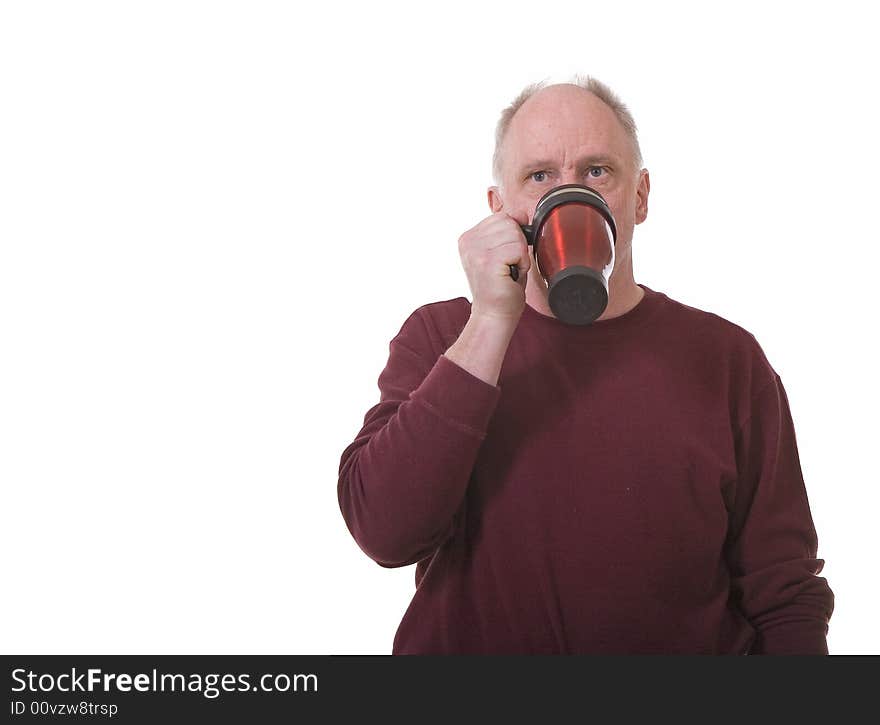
642, 189
494, 197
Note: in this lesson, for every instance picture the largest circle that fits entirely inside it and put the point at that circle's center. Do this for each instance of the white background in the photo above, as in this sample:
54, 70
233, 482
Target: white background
214, 217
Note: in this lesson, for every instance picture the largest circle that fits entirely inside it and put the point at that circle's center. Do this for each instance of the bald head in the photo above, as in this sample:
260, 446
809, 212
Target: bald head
577, 109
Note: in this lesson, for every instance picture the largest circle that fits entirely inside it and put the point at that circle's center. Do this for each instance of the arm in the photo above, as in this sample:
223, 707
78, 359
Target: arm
772, 543
405, 475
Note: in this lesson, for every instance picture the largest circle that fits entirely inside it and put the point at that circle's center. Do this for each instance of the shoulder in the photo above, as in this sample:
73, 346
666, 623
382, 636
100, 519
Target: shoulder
446, 318
723, 343
706, 321
435, 325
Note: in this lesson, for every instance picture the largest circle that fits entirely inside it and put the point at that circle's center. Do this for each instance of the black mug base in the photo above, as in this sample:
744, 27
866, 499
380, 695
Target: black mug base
577, 295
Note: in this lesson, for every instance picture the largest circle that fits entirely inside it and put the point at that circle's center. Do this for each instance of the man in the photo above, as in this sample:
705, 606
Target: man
628, 486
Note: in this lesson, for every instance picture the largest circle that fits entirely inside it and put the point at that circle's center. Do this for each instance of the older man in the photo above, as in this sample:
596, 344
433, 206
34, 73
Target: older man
628, 486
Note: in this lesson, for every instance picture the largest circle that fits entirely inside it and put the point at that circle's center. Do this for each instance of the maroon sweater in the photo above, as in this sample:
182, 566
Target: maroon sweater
631, 486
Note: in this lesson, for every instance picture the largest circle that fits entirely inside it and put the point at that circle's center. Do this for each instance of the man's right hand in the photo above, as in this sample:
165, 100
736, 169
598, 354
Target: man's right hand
487, 250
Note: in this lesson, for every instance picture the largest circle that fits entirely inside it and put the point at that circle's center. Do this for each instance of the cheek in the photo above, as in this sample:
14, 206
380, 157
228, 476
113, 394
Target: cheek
522, 207
623, 208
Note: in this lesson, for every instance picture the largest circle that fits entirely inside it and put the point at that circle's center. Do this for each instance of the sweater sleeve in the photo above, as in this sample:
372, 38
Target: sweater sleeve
772, 542
403, 478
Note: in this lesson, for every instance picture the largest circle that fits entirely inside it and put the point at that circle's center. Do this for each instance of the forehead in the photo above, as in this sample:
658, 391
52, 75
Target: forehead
563, 124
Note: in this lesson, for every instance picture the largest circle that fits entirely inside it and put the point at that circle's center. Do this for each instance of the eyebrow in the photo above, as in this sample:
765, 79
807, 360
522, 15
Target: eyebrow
584, 161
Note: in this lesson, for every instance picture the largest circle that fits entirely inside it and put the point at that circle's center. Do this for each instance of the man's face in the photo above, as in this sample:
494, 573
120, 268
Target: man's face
566, 135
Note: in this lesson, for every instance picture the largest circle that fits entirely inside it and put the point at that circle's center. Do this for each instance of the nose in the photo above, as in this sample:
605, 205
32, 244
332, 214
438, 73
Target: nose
570, 176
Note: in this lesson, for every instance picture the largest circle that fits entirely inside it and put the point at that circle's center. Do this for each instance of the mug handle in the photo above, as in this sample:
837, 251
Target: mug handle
527, 230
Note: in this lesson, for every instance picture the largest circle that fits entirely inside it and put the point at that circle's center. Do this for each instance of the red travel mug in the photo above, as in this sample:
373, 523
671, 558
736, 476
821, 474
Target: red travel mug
573, 236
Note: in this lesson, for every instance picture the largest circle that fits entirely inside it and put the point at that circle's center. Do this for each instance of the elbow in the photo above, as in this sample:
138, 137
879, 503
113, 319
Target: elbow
389, 546
392, 524
391, 557
387, 539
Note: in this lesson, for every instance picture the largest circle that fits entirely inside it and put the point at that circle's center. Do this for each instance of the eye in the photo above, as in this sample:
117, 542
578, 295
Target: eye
591, 172
535, 174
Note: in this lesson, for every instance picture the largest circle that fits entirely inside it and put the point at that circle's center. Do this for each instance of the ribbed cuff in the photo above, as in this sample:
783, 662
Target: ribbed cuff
799, 638
458, 397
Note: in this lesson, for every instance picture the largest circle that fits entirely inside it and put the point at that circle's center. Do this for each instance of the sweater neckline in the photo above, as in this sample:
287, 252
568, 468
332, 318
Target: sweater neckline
644, 310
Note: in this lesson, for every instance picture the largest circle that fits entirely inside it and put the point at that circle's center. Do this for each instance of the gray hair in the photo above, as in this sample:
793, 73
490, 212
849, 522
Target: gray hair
594, 86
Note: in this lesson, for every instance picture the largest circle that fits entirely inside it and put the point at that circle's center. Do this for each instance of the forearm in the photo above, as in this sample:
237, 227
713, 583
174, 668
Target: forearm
796, 638
405, 476
481, 347
790, 607
773, 546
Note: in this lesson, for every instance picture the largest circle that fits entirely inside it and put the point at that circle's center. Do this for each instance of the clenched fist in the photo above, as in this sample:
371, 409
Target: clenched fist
488, 251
